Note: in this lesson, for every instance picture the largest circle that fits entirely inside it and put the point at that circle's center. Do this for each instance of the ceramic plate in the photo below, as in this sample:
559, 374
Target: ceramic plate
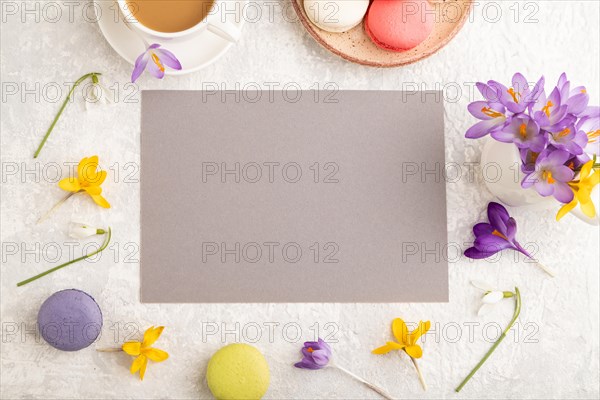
355, 45
194, 54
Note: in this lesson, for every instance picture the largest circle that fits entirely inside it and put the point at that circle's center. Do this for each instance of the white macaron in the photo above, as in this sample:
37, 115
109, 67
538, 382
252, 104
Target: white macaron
336, 15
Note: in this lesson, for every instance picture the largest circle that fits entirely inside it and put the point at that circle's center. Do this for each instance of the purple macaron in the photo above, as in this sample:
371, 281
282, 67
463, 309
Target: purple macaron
70, 320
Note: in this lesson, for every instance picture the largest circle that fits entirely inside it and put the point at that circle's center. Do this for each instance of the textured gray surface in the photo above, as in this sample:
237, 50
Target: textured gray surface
558, 360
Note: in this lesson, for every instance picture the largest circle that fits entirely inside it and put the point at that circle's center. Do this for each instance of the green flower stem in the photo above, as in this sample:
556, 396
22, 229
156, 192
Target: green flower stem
106, 242
491, 350
94, 76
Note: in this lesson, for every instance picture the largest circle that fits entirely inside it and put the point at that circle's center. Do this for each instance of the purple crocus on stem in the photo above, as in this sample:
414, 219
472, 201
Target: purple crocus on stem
315, 355
551, 175
154, 60
524, 132
498, 234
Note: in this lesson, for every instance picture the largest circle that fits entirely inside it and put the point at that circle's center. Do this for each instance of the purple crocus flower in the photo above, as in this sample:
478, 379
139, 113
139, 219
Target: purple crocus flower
315, 355
518, 97
575, 99
154, 61
549, 112
492, 116
590, 127
551, 175
524, 132
569, 139
498, 234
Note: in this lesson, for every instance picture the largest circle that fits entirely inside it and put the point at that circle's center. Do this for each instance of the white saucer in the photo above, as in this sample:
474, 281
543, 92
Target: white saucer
194, 54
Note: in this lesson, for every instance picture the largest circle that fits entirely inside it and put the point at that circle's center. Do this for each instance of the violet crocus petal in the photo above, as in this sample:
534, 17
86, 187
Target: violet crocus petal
544, 188
502, 91
482, 228
511, 229
140, 66
314, 345
504, 136
325, 346
519, 83
491, 243
153, 46
156, 70
577, 103
482, 128
558, 157
476, 107
537, 89
538, 142
477, 254
591, 111
168, 59
320, 357
489, 93
530, 179
305, 364
562, 192
498, 216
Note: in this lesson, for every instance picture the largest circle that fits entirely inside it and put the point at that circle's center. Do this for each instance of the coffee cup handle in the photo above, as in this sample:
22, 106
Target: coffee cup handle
226, 31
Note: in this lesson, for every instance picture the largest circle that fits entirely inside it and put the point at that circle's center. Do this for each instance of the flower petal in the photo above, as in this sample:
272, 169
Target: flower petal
320, 357
563, 192
101, 201
151, 335
420, 331
482, 128
156, 355
564, 210
140, 66
168, 58
306, 364
137, 363
476, 254
414, 351
87, 167
93, 190
70, 184
482, 228
400, 331
492, 297
383, 349
132, 348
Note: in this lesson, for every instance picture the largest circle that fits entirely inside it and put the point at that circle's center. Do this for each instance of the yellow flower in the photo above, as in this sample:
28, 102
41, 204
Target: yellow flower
88, 180
582, 188
405, 341
142, 351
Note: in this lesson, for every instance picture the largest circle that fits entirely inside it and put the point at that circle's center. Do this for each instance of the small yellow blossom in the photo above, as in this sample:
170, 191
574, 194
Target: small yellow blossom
406, 341
88, 180
142, 351
582, 188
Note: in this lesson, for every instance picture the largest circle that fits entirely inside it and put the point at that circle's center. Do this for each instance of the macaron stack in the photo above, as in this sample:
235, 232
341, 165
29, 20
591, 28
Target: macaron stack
392, 25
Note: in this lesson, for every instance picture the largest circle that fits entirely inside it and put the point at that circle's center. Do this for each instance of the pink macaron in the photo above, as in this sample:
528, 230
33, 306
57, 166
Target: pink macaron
399, 25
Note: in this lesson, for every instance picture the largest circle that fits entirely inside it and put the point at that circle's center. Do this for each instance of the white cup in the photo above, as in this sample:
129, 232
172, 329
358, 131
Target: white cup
215, 22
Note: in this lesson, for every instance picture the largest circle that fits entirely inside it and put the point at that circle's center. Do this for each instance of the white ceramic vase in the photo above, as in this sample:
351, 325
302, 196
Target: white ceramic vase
501, 167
